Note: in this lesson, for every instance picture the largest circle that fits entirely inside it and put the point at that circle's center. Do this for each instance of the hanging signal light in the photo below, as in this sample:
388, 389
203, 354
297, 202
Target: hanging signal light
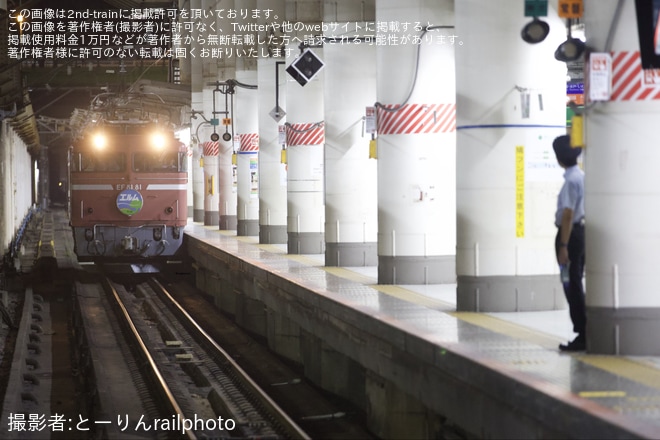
570, 50
535, 31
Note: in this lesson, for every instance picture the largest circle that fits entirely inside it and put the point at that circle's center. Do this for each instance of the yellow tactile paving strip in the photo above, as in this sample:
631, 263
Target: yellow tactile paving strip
630, 368
410, 296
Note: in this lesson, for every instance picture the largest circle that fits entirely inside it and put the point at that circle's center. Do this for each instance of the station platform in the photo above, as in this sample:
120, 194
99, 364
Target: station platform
418, 367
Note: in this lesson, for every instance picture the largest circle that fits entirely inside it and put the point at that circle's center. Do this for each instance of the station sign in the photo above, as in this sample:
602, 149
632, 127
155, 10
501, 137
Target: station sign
536, 8
600, 76
281, 134
574, 88
370, 120
575, 92
570, 8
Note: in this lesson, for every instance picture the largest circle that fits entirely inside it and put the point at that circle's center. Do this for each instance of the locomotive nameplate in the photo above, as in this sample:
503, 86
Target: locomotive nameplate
123, 186
129, 202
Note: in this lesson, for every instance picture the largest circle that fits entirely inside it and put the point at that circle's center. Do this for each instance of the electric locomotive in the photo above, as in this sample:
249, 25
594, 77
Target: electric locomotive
128, 192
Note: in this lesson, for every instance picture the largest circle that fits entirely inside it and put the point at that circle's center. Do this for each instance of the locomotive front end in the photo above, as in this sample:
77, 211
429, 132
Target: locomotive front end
128, 193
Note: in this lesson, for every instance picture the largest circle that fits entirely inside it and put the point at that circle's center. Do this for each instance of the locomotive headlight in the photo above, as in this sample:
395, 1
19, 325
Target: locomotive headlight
99, 141
158, 140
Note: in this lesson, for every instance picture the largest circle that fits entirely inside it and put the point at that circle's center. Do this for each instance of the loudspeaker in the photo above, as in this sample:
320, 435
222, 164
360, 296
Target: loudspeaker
305, 67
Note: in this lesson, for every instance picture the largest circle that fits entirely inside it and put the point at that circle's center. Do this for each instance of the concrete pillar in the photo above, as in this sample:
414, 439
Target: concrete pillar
184, 136
247, 166
272, 93
226, 69
272, 172
196, 174
306, 215
305, 139
247, 132
622, 193
511, 105
247, 171
211, 182
198, 131
228, 199
184, 62
416, 147
191, 145
350, 177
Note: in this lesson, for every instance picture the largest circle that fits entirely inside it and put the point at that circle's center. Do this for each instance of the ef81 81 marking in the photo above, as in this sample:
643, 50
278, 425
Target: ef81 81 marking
111, 166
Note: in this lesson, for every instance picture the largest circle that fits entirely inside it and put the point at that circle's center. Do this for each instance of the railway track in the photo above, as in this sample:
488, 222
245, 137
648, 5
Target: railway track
201, 390
97, 359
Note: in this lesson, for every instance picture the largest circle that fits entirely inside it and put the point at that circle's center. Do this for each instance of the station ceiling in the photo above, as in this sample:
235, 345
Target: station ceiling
45, 102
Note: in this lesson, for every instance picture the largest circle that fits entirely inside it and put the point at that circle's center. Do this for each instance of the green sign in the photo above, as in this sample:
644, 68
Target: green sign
536, 8
569, 116
570, 113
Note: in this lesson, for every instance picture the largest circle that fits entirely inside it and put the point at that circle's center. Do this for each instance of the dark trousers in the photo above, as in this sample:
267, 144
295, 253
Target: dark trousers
573, 289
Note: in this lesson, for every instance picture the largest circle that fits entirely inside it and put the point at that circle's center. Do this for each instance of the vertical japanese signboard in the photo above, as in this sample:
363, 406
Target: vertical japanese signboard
520, 191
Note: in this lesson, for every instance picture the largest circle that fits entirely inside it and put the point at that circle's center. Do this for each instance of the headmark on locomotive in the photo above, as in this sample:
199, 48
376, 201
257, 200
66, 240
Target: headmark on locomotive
128, 192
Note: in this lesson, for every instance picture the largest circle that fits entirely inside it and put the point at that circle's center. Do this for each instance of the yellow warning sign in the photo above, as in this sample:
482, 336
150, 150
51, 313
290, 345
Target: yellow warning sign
226, 121
592, 394
520, 191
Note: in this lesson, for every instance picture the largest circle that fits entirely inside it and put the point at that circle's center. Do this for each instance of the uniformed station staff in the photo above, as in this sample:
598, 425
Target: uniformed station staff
569, 242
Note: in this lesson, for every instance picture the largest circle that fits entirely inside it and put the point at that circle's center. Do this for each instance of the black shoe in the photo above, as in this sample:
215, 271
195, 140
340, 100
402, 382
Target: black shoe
577, 344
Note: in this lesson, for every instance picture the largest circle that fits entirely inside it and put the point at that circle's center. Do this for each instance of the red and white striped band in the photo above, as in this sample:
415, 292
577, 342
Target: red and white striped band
249, 142
416, 118
312, 133
211, 148
630, 82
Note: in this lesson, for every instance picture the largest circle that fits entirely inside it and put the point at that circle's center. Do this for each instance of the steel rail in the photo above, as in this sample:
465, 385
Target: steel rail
145, 352
291, 427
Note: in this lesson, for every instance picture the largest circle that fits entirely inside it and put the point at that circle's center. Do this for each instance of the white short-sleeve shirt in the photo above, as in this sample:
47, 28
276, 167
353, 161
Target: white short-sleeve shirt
571, 195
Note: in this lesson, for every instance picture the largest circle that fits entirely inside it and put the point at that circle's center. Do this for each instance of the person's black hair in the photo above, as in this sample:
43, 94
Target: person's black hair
564, 152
